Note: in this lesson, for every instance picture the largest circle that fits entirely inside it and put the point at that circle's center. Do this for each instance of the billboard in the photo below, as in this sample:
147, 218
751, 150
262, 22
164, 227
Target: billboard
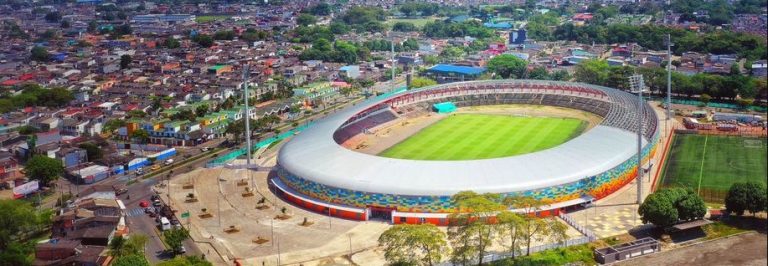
26, 188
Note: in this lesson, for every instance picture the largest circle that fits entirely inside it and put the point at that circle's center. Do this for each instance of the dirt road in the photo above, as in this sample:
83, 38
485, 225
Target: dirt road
744, 250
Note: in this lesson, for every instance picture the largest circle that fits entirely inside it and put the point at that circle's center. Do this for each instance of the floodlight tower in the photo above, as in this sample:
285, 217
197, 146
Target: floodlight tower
394, 64
247, 117
637, 84
669, 81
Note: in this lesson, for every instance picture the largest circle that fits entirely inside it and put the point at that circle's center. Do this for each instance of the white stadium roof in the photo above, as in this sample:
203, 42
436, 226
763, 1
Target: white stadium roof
315, 156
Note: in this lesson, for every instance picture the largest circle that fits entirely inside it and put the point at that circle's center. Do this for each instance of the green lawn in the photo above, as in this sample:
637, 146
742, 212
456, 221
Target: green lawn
710, 164
477, 136
206, 19
418, 22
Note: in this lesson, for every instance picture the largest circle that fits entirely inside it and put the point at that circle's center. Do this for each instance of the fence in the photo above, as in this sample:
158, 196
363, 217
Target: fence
582, 229
718, 105
221, 160
589, 236
495, 256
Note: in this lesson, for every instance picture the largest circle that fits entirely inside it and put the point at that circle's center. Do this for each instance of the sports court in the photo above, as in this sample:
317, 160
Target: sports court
709, 164
482, 136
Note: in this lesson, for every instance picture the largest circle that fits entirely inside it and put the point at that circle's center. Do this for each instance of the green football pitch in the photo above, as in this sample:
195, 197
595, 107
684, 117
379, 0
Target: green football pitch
479, 136
710, 164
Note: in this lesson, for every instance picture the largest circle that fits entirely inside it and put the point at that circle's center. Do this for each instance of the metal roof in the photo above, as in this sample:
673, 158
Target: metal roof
315, 156
466, 70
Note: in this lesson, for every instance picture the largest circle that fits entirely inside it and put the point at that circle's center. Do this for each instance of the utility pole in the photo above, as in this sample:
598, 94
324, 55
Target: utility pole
637, 85
247, 116
669, 82
392, 46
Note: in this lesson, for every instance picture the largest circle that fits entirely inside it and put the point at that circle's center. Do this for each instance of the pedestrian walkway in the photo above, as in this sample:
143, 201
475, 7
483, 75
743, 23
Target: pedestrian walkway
135, 212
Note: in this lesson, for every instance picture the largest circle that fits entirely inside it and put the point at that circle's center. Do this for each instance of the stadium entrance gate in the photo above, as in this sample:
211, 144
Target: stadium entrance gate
378, 213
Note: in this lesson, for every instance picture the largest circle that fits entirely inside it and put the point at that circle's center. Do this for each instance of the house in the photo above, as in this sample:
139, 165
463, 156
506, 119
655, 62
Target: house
72, 156
10, 170
760, 68
219, 69
351, 72
446, 73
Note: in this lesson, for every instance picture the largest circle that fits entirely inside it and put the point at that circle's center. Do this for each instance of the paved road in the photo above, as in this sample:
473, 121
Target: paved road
744, 250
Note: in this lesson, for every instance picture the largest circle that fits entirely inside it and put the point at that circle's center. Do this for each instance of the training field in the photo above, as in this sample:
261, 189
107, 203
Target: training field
479, 136
710, 164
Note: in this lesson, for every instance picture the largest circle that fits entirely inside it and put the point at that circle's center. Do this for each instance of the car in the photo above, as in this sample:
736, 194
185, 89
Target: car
120, 191
155, 197
157, 203
183, 250
155, 167
143, 203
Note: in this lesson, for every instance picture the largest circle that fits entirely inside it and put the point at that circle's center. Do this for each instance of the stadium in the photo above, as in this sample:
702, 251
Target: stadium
412, 181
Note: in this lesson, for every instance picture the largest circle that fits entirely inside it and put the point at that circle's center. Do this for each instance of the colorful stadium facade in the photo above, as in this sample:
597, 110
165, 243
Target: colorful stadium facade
317, 172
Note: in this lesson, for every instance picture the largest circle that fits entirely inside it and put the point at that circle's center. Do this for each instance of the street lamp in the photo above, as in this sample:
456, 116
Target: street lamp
637, 84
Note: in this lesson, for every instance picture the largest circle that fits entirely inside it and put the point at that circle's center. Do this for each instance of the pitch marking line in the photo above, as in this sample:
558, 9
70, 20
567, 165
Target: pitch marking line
701, 170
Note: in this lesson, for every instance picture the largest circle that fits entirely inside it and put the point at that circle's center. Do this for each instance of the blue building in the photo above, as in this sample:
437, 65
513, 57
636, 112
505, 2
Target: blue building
445, 73
517, 37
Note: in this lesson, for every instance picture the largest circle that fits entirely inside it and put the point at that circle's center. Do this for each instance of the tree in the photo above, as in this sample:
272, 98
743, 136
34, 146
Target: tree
452, 53
306, 20
18, 217
43, 169
749, 196
53, 17
135, 244
117, 246
592, 72
227, 35
131, 260
404, 27
668, 206
203, 40
321, 9
419, 82
510, 230
507, 66
539, 73
40, 54
171, 43
175, 238
705, 98
201, 110
470, 232
408, 244
140, 135
430, 60
125, 61
112, 125
185, 261
690, 207
93, 151
65, 24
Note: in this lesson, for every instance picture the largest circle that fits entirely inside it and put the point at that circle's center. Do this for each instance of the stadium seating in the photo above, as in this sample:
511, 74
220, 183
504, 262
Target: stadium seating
619, 109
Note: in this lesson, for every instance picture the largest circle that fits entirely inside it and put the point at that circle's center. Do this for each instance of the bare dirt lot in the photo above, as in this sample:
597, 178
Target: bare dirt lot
745, 249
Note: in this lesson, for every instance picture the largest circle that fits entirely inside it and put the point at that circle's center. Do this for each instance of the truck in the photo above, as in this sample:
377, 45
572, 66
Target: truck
165, 224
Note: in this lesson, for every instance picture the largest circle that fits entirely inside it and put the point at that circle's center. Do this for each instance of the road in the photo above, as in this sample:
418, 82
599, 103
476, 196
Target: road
746, 249
143, 188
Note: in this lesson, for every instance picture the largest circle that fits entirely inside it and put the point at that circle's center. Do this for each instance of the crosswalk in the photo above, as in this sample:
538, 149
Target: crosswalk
135, 212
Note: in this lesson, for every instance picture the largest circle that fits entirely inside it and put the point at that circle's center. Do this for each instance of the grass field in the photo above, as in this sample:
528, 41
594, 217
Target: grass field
206, 19
710, 164
418, 22
478, 136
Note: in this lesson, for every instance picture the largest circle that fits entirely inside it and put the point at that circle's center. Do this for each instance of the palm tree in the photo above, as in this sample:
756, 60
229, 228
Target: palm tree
117, 247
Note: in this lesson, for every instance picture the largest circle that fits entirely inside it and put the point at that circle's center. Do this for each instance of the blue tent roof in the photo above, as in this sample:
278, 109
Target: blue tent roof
466, 70
500, 25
